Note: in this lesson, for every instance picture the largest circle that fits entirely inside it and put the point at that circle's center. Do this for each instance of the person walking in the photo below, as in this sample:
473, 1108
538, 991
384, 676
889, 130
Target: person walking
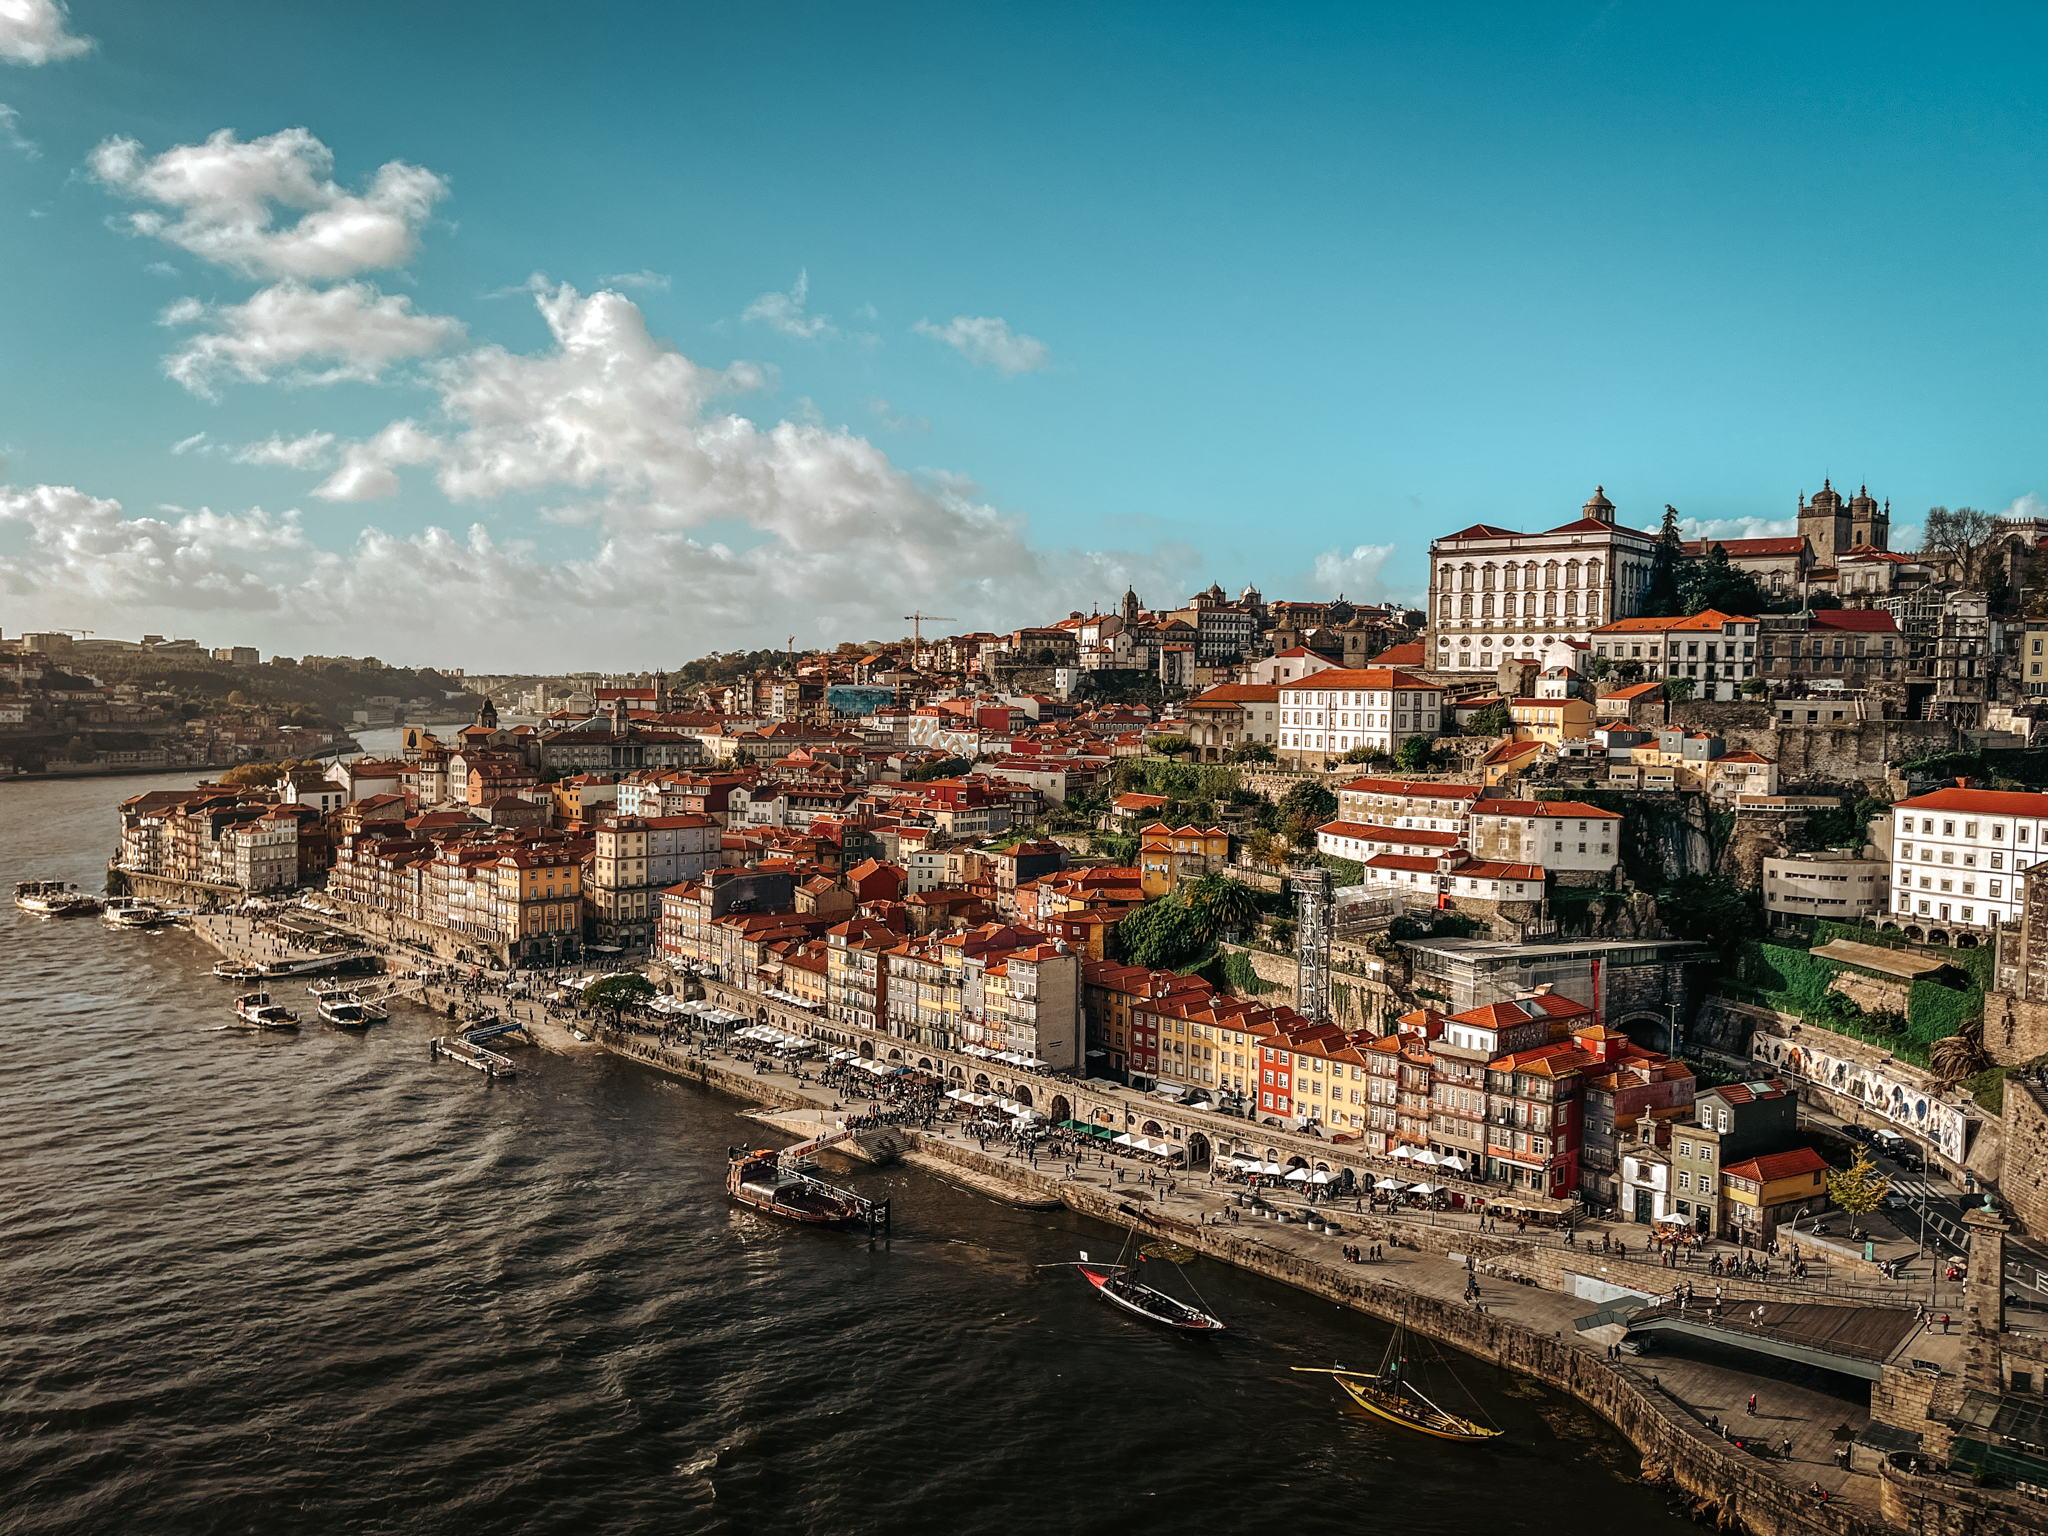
1752, 1405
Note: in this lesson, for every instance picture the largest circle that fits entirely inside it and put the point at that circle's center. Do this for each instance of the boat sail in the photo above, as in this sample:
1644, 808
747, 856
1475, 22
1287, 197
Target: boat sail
1390, 1394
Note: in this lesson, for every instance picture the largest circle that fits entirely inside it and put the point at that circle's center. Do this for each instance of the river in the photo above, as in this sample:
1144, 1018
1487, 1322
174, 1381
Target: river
272, 1283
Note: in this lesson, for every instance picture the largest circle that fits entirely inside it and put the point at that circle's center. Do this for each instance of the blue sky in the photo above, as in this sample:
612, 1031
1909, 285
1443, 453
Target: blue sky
1088, 295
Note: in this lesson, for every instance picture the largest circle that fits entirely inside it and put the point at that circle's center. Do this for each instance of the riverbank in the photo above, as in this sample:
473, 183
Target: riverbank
1524, 1319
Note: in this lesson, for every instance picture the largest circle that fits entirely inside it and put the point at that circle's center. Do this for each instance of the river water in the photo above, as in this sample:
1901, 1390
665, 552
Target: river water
272, 1283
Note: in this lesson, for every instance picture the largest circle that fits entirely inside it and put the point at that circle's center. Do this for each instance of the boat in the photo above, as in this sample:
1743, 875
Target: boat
257, 1008
777, 1184
131, 912
344, 1012
53, 898
372, 1013
231, 970
1119, 1285
1389, 1394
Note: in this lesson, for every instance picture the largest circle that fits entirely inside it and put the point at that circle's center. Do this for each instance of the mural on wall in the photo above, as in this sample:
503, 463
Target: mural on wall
1886, 1091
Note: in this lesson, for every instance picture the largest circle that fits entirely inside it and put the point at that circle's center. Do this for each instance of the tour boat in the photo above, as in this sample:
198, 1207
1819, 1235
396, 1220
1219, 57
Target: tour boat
257, 1008
372, 1013
53, 898
344, 1012
231, 970
131, 912
1118, 1284
1390, 1395
773, 1182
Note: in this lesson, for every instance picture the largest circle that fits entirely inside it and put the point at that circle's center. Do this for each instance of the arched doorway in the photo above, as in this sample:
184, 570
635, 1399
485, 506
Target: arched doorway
1652, 1031
1023, 1095
1198, 1150
1272, 1154
1966, 941
867, 1049
981, 1082
1915, 932
1060, 1110
1297, 1162
954, 1071
1937, 936
924, 1064
895, 1055
1150, 1128
1889, 928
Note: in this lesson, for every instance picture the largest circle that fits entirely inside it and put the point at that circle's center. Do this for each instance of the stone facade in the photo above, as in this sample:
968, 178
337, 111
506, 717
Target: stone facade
2024, 1182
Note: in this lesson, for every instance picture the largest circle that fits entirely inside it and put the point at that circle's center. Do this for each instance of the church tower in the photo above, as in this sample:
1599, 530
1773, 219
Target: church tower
1868, 523
1131, 609
487, 714
1825, 525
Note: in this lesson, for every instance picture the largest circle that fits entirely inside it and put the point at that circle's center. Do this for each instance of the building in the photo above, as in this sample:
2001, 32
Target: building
1778, 564
1496, 594
636, 859
1560, 835
1419, 803
1333, 712
1845, 647
1761, 1192
1717, 650
1959, 857
1831, 882
1221, 719
1551, 721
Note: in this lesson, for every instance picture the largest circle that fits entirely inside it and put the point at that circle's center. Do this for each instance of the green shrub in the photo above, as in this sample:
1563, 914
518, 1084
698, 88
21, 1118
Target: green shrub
1239, 976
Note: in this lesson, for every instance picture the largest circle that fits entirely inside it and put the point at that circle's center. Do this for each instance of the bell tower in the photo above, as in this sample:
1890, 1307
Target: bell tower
1825, 525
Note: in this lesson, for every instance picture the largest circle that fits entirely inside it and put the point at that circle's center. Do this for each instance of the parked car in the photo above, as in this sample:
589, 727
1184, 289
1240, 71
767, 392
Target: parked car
1857, 1133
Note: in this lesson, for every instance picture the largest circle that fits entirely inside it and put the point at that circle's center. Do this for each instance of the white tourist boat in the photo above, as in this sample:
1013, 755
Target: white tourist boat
343, 1011
131, 912
53, 898
256, 1008
235, 970
371, 1012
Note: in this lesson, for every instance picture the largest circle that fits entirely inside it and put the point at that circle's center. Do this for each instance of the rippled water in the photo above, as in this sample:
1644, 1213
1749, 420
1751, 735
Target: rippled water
265, 1283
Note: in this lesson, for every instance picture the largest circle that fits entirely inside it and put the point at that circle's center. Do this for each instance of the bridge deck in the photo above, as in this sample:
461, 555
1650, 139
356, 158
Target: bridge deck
1857, 1340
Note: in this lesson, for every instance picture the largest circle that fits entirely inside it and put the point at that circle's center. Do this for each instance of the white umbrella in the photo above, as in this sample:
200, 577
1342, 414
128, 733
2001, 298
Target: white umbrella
1125, 1140
1319, 1177
1674, 1221
1456, 1164
1426, 1189
1403, 1152
1425, 1158
1299, 1176
1390, 1184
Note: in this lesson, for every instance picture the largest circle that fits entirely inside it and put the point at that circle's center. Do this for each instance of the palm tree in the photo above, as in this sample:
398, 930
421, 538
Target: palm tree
1224, 905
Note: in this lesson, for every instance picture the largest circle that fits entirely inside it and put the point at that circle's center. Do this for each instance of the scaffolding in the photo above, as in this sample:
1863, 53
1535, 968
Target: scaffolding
1312, 942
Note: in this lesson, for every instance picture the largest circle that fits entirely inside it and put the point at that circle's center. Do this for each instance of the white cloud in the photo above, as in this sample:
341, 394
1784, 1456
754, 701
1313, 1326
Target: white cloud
308, 452
10, 130
632, 434
33, 32
303, 335
886, 414
2029, 505
987, 341
1355, 576
162, 269
196, 443
1694, 528
81, 549
785, 312
651, 282
224, 195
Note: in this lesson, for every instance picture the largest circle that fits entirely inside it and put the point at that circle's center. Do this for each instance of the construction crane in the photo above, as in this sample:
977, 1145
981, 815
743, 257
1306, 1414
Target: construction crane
916, 622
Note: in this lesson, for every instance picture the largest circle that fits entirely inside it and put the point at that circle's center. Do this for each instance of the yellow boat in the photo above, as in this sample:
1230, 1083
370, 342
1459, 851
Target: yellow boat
1403, 1405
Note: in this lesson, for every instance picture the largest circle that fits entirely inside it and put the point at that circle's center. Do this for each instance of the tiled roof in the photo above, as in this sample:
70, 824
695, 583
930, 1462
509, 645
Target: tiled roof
1635, 692
1485, 531
1866, 620
1368, 831
1402, 861
1414, 788
1983, 802
1528, 873
1749, 549
1360, 677
1778, 1165
1708, 618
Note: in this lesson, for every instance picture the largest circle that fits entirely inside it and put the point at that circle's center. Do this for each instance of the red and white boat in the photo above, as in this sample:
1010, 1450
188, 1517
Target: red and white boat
1118, 1284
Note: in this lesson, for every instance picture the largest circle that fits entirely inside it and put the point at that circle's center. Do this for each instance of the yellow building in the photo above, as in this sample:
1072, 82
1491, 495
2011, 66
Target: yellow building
1763, 1191
1169, 855
537, 906
1551, 720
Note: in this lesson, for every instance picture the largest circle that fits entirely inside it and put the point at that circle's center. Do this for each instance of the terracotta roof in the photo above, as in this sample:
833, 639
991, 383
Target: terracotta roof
1635, 692
1485, 531
1594, 525
1237, 693
1413, 788
1866, 620
1409, 862
1529, 873
1360, 677
1401, 656
1749, 549
1576, 808
1778, 1165
1707, 618
1374, 832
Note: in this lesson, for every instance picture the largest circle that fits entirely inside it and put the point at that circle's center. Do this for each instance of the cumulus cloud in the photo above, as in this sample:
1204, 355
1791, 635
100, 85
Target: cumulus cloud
220, 200
636, 443
36, 32
988, 342
1694, 528
303, 335
1355, 576
308, 452
650, 282
784, 312
82, 548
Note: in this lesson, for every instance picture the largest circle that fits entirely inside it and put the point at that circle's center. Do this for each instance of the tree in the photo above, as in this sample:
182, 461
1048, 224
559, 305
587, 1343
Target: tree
1308, 801
1494, 720
253, 774
1678, 689
615, 994
1631, 671
1415, 754
1170, 746
1254, 752
1960, 542
1716, 582
939, 768
1858, 1189
1662, 598
1601, 666
1710, 908
1225, 905
1161, 933
1364, 755
1755, 687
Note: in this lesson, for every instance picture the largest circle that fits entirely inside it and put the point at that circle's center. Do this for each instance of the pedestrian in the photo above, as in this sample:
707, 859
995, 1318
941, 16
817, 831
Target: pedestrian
1944, 1322
1752, 1404
1788, 1450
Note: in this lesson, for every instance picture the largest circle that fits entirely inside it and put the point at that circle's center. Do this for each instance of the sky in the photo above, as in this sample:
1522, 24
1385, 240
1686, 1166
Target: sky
525, 337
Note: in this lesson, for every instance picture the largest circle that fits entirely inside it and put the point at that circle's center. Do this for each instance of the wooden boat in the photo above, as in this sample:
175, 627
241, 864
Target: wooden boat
1118, 1284
1390, 1395
229, 970
257, 1008
347, 997
776, 1184
53, 898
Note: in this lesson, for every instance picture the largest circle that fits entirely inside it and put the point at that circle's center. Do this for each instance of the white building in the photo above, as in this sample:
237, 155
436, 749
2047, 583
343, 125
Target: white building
1829, 883
1959, 857
1408, 803
1495, 594
1346, 707
1557, 834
